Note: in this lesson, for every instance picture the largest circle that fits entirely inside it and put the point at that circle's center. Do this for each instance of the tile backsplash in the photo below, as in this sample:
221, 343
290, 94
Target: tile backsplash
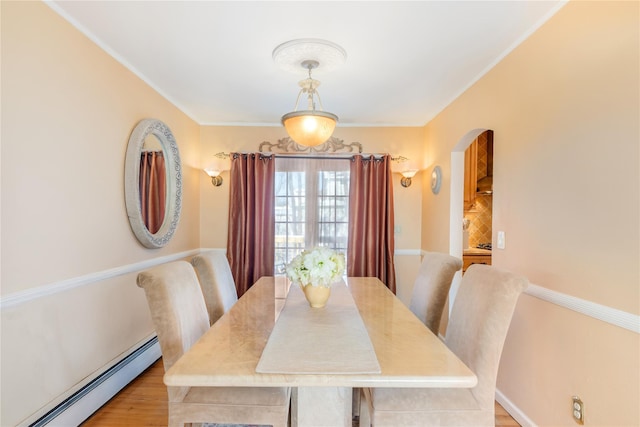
480, 217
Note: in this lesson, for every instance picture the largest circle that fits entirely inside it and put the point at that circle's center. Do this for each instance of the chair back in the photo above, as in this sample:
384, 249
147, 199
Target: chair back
177, 307
432, 287
216, 281
479, 322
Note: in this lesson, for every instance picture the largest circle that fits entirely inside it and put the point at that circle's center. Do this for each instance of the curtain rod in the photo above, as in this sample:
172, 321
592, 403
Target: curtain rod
336, 156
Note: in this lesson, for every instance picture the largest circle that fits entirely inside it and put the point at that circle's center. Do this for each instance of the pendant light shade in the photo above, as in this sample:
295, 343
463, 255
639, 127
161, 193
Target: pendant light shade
309, 127
312, 126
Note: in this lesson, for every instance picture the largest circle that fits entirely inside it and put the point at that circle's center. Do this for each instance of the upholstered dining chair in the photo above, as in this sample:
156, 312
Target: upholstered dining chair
216, 281
429, 296
180, 317
478, 326
431, 287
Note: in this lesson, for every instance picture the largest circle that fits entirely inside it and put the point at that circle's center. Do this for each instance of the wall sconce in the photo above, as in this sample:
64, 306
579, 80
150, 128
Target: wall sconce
436, 179
406, 177
216, 179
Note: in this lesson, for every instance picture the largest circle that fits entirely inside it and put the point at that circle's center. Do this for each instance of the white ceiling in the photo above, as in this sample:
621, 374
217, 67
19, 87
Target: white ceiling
406, 61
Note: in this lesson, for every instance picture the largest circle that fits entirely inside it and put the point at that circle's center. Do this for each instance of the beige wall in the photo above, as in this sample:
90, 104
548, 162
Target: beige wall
406, 141
564, 107
68, 109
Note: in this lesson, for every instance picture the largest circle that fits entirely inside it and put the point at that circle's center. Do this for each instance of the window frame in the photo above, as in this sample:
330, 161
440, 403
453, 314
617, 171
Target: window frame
314, 192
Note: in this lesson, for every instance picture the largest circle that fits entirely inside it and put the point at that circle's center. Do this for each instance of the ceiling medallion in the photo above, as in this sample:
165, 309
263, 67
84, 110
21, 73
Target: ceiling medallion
289, 55
313, 126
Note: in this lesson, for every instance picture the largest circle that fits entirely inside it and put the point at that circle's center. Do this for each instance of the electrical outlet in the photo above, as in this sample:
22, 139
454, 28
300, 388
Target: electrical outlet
578, 410
501, 240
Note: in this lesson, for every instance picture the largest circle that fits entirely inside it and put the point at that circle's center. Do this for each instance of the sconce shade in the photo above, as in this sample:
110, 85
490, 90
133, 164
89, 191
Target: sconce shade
309, 127
409, 173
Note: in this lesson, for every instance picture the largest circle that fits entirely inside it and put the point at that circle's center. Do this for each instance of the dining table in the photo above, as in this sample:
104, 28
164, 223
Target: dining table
364, 337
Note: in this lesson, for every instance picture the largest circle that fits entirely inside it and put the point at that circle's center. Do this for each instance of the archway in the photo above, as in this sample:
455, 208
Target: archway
456, 209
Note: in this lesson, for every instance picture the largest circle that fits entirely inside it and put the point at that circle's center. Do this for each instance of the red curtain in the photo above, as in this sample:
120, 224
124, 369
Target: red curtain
371, 240
153, 189
251, 237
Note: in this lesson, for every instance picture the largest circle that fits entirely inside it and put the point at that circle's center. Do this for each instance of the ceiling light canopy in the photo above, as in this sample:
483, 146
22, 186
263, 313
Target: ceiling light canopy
313, 126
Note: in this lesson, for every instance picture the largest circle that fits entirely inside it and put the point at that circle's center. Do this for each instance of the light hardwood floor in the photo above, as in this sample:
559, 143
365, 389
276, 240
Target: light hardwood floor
144, 403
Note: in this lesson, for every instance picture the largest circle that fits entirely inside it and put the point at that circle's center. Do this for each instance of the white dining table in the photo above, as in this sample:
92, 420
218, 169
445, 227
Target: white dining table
407, 353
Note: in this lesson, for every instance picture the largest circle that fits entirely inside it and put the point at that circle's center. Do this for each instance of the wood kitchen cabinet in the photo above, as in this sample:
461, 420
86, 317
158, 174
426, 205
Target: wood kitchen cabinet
470, 174
469, 260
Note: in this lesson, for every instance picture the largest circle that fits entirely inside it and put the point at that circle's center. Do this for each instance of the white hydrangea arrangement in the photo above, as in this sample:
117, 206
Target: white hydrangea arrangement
319, 266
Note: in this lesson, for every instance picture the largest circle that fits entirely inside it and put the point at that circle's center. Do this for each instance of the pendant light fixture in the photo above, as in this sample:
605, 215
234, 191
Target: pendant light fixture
309, 127
312, 126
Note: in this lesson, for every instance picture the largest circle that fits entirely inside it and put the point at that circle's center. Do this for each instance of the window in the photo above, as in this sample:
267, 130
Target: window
311, 206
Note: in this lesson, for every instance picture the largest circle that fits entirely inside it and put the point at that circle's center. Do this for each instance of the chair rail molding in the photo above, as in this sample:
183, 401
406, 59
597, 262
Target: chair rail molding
601, 312
408, 252
28, 295
607, 314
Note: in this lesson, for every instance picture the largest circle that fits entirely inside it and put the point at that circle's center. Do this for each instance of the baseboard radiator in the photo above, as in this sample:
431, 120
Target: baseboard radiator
81, 404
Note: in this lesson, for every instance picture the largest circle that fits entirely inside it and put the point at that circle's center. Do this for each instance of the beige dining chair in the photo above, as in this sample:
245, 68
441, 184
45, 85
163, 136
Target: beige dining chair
216, 282
429, 296
480, 319
431, 288
180, 317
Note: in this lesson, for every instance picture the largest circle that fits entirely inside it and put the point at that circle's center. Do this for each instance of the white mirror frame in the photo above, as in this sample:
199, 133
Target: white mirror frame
132, 185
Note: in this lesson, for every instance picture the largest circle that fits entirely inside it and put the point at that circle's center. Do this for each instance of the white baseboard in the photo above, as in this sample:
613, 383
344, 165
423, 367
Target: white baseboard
89, 397
513, 410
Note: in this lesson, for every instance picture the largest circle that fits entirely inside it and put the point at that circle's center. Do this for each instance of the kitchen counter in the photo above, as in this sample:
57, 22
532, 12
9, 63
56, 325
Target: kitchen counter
476, 251
472, 256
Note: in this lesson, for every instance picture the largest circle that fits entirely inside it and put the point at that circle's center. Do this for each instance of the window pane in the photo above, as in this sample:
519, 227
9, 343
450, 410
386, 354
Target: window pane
281, 235
280, 184
295, 209
342, 231
327, 184
295, 234
342, 183
281, 209
327, 213
342, 213
327, 235
296, 183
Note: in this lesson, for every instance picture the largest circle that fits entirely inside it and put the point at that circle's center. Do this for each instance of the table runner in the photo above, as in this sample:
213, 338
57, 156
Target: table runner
328, 340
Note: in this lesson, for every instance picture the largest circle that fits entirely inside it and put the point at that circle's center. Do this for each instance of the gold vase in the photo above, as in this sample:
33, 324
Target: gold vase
317, 296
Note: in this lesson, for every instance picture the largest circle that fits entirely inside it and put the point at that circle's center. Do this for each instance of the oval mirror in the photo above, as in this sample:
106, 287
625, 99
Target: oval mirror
153, 183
